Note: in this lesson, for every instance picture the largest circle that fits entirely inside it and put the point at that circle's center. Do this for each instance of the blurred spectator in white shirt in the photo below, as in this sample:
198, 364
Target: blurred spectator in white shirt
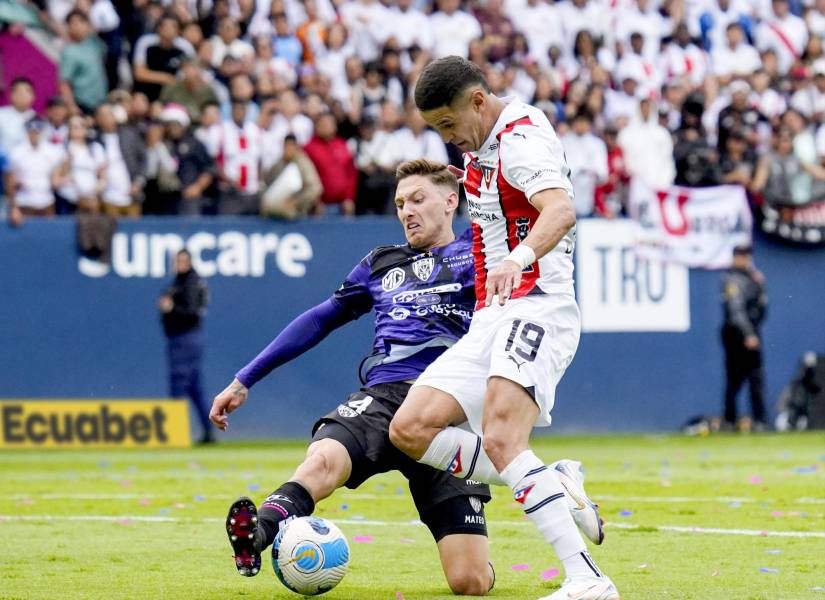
452, 29
541, 24
582, 15
125, 153
713, 22
734, 58
409, 26
683, 59
32, 172
810, 100
83, 173
784, 33
648, 148
57, 117
644, 19
13, 117
587, 158
227, 42
239, 163
367, 23
416, 140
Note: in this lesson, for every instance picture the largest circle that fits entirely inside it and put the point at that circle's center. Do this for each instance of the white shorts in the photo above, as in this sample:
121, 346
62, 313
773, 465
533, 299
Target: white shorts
530, 340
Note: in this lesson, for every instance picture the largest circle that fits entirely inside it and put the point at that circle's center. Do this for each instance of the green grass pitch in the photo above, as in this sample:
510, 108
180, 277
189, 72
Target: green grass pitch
140, 524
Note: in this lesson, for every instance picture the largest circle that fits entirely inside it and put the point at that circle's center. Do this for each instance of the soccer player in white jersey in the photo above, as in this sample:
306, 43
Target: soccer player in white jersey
501, 376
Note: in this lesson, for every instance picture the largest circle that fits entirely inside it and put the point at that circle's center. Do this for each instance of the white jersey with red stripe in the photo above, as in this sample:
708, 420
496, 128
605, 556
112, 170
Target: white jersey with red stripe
240, 155
521, 156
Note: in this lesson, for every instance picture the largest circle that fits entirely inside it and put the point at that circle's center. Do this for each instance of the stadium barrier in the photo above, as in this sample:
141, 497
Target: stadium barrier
649, 356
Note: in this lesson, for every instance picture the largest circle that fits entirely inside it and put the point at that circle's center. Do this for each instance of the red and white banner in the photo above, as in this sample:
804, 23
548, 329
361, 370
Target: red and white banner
696, 227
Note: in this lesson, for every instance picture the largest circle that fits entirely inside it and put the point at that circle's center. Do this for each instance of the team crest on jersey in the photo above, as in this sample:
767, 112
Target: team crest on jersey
455, 464
393, 279
423, 268
487, 175
521, 494
475, 503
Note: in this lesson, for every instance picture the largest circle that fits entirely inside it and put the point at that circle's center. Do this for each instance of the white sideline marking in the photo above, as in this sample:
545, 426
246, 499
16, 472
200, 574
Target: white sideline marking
414, 523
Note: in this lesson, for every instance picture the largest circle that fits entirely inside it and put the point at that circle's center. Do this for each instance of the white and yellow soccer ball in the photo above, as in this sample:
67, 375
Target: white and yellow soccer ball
310, 555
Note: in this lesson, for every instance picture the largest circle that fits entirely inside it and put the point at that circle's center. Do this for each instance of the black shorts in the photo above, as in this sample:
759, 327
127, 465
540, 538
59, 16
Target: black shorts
445, 503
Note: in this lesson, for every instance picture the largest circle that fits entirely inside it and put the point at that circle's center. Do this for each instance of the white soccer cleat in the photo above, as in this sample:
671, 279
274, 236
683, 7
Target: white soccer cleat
587, 588
585, 513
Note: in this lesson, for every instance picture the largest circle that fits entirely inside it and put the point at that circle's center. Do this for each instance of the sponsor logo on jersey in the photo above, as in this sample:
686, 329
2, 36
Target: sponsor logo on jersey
399, 313
423, 268
411, 295
428, 300
393, 279
475, 503
455, 464
521, 494
346, 411
474, 520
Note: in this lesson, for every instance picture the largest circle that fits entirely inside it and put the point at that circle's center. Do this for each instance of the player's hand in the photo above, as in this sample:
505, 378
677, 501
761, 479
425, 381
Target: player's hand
15, 217
502, 281
226, 402
751, 342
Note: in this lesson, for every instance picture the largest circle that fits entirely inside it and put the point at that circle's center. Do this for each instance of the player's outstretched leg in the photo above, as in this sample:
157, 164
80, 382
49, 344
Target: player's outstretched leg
241, 526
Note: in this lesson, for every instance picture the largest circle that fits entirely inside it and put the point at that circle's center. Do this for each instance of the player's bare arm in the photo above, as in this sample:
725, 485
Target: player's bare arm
232, 397
556, 217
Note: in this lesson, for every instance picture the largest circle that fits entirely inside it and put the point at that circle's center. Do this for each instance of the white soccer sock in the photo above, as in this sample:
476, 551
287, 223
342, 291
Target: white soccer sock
538, 489
459, 452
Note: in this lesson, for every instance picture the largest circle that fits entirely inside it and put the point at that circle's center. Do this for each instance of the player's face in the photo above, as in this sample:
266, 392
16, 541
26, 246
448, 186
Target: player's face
462, 123
425, 211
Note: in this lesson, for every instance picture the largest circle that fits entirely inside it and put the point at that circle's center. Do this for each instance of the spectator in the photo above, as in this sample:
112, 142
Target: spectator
335, 165
83, 173
13, 118
416, 140
540, 24
57, 119
496, 28
366, 21
32, 172
452, 29
810, 100
645, 20
611, 197
82, 74
587, 158
209, 132
191, 91
376, 157
180, 168
740, 115
784, 33
158, 57
735, 165
715, 22
648, 148
239, 164
285, 43
734, 58
289, 118
409, 27
227, 43
697, 162
783, 178
683, 59
183, 307
125, 151
292, 184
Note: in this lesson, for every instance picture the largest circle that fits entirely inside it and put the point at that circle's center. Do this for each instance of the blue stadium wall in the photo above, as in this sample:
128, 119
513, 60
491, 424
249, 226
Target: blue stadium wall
66, 333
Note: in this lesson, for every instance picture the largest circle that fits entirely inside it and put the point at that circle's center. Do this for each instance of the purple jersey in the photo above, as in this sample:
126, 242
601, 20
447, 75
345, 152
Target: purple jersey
423, 303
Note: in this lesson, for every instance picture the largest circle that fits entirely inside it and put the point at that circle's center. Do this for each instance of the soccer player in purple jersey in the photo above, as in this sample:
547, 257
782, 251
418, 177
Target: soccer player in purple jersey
423, 297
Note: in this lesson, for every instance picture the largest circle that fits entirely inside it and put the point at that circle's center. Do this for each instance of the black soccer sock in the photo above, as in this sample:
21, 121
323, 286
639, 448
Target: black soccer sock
290, 500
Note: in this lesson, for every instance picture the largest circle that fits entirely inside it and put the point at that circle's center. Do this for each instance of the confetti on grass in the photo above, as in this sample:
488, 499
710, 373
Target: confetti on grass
362, 539
253, 487
144, 502
549, 574
773, 551
407, 541
768, 570
399, 596
806, 470
755, 479
199, 499
520, 567
625, 513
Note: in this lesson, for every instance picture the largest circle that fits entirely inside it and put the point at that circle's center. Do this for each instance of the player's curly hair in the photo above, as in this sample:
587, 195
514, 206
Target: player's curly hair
436, 172
444, 80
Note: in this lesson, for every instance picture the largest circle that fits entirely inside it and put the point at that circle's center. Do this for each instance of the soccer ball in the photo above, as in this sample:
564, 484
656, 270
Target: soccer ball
310, 555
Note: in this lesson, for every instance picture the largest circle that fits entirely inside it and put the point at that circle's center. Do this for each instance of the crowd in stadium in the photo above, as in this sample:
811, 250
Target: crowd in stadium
291, 108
